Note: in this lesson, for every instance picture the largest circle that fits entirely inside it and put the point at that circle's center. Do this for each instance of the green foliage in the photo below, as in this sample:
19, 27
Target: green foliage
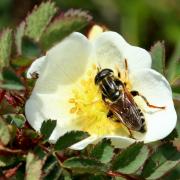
37, 21
10, 80
17, 119
158, 57
19, 36
131, 159
7, 160
27, 154
4, 133
5, 47
33, 167
73, 20
69, 139
103, 151
85, 165
173, 71
162, 161
51, 168
47, 128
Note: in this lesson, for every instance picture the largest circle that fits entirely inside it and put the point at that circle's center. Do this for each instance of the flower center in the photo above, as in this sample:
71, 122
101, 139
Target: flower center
90, 109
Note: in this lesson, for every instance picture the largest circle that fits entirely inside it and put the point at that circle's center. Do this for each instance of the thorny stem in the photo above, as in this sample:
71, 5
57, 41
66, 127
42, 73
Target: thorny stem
128, 177
10, 151
11, 172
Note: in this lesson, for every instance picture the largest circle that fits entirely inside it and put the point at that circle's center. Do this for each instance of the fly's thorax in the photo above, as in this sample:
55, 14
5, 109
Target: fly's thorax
111, 88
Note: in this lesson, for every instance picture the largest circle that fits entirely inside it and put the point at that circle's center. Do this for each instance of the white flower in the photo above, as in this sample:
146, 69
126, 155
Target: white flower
65, 90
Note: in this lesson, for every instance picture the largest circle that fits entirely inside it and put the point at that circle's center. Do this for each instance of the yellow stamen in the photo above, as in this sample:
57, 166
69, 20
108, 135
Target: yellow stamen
91, 110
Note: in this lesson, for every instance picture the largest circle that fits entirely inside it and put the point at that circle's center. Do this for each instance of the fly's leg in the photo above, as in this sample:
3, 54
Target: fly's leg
118, 71
136, 93
129, 130
126, 71
125, 74
110, 114
104, 98
130, 133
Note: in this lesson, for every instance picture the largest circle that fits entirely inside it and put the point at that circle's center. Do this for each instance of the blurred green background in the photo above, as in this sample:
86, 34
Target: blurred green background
141, 22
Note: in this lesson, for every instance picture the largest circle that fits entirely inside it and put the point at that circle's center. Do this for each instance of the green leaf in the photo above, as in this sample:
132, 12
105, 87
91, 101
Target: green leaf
67, 175
174, 174
173, 70
38, 20
85, 165
51, 168
21, 61
7, 160
33, 167
158, 57
4, 133
5, 47
47, 128
175, 73
19, 36
162, 161
17, 119
30, 49
10, 80
103, 151
69, 139
131, 159
73, 20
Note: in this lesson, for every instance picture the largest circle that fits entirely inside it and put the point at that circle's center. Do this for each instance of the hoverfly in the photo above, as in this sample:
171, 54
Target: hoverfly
120, 100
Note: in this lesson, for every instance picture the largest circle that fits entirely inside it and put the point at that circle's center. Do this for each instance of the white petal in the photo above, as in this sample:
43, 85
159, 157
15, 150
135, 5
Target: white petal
36, 67
111, 49
82, 144
157, 90
66, 62
40, 107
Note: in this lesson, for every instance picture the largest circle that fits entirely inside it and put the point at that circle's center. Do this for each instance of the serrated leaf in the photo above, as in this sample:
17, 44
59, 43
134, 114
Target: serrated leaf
30, 49
4, 133
73, 20
67, 175
175, 73
131, 159
19, 36
51, 168
21, 61
162, 161
39, 151
85, 165
176, 143
173, 70
40, 17
69, 139
174, 174
7, 160
47, 128
158, 57
10, 80
17, 119
33, 167
98, 177
103, 151
5, 47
